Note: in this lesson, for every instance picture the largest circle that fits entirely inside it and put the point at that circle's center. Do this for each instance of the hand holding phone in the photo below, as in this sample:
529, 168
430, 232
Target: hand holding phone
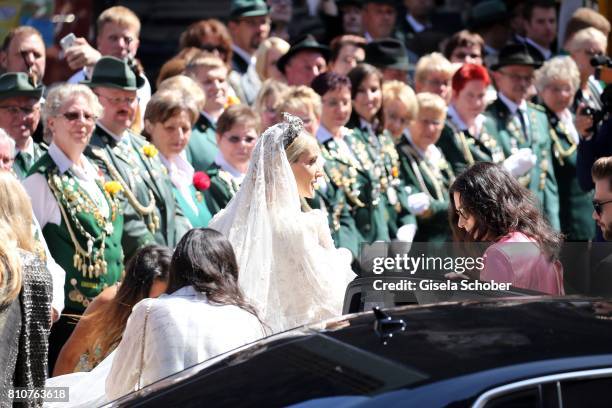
67, 41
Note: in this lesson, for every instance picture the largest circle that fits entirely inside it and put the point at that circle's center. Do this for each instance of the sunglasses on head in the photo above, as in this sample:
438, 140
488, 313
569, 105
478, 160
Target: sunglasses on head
598, 207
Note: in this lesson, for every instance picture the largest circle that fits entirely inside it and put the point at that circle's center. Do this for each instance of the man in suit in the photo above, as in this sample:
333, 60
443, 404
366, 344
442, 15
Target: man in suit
249, 25
23, 50
522, 128
19, 117
540, 28
150, 209
602, 214
489, 18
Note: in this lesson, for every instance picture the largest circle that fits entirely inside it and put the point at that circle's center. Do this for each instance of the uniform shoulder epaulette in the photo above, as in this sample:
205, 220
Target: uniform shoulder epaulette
536, 106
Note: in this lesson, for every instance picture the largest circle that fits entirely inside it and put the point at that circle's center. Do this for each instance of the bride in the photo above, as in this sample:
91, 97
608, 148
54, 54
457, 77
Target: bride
289, 267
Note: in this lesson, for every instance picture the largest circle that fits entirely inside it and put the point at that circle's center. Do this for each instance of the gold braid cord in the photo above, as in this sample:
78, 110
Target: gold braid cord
148, 210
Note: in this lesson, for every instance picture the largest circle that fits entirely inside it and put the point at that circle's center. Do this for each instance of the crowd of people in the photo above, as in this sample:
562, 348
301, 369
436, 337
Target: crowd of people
178, 218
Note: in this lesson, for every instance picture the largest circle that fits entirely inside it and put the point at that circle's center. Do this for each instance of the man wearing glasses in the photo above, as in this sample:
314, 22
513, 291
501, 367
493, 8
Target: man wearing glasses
151, 214
521, 128
602, 214
19, 117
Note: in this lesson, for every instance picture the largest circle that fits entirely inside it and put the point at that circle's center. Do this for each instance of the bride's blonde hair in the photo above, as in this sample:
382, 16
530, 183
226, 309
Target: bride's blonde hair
301, 144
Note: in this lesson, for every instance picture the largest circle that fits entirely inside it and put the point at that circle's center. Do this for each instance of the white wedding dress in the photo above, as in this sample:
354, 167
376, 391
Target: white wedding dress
288, 265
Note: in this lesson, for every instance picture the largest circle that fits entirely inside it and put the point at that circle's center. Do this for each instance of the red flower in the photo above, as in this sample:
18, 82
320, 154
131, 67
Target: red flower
201, 181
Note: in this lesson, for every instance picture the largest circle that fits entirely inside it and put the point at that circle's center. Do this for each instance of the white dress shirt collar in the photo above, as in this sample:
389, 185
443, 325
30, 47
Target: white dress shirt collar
511, 105
416, 26
210, 118
86, 171
221, 162
544, 51
242, 53
29, 148
119, 138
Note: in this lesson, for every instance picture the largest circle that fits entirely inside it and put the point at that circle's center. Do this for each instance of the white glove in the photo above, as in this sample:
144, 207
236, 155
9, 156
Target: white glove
418, 203
520, 162
406, 232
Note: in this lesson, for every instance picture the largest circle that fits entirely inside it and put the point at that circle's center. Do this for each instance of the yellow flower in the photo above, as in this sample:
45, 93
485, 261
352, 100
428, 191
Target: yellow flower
231, 100
149, 150
112, 187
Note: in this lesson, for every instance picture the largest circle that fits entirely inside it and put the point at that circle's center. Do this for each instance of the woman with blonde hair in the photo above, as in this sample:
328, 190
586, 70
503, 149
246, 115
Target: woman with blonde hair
399, 108
268, 99
25, 295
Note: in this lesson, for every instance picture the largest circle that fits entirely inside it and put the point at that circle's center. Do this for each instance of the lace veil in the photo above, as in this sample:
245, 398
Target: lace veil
276, 244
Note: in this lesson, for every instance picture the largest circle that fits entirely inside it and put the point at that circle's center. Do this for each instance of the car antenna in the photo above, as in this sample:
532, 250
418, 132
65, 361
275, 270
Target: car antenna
385, 326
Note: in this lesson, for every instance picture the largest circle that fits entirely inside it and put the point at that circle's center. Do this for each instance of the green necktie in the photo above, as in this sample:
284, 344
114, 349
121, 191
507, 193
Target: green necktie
25, 160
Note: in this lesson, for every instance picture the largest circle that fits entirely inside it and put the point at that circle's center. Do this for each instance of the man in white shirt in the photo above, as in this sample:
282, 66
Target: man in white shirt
540, 27
118, 36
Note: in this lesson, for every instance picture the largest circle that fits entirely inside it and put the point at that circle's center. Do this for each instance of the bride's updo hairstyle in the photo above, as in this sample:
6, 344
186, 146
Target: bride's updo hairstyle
297, 141
205, 259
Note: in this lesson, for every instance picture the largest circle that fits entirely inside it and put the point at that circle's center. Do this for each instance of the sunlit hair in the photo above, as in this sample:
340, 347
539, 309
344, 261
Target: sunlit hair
329, 81
60, 94
15, 232
582, 38
166, 104
16, 210
273, 89
203, 60
10, 267
261, 55
585, 17
149, 264
204, 33
188, 87
467, 73
237, 114
176, 65
6, 139
431, 102
300, 98
205, 259
399, 91
602, 169
341, 41
21, 31
463, 38
432, 63
122, 16
500, 205
562, 68
301, 144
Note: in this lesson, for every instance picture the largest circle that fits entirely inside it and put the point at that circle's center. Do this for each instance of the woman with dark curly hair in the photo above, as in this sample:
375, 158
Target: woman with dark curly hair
489, 205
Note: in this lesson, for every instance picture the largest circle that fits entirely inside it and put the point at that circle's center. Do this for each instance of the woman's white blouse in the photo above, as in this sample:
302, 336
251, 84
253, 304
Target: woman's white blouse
183, 329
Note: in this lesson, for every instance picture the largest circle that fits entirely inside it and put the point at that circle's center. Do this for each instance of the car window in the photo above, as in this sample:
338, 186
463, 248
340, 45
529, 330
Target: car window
593, 392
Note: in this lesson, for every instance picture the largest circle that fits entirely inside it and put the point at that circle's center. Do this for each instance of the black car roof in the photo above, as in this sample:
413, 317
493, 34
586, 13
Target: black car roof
347, 356
448, 340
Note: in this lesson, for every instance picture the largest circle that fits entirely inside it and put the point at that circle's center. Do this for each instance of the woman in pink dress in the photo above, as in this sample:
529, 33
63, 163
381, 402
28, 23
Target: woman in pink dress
489, 205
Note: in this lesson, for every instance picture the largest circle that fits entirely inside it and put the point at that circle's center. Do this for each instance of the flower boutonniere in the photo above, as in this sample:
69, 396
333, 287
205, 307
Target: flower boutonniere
112, 188
231, 100
201, 181
149, 150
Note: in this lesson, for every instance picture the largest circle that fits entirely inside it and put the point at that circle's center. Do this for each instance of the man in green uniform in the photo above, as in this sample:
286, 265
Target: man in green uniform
19, 117
522, 127
151, 212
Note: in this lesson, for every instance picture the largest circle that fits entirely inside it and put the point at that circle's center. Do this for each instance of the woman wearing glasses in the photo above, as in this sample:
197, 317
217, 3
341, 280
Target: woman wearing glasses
78, 212
236, 137
169, 119
489, 205
425, 170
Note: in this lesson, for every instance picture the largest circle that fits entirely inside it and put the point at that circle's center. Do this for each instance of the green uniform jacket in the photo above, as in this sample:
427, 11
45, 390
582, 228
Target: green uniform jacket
202, 147
432, 226
361, 188
81, 286
145, 177
575, 206
385, 161
462, 150
541, 180
334, 202
222, 188
22, 166
203, 216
